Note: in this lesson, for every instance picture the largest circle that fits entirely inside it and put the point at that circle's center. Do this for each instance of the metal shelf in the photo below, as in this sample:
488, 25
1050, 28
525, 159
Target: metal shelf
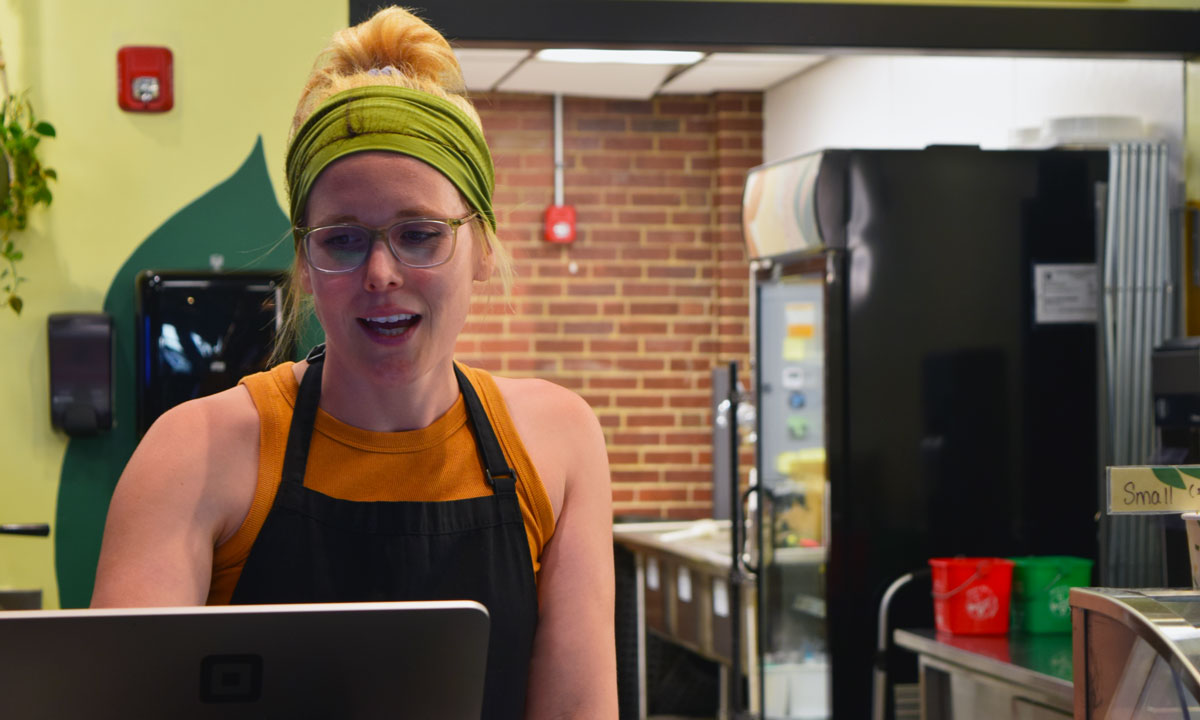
801, 555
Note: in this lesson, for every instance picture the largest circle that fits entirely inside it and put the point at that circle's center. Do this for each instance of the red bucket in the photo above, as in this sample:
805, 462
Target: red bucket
971, 595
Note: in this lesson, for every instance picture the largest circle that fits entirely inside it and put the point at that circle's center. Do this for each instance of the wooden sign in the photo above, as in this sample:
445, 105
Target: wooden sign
1153, 489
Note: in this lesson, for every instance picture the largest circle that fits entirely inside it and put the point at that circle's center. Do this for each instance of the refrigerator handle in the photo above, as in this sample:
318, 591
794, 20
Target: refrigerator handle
749, 558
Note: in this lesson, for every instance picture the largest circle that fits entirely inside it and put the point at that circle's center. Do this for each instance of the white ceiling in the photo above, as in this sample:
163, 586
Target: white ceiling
517, 70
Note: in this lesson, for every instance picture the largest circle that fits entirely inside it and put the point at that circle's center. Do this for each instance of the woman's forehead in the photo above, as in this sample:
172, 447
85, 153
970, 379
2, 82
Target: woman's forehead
396, 183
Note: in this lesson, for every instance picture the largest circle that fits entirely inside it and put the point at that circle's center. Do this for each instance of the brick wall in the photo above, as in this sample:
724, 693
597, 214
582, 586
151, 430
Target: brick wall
653, 292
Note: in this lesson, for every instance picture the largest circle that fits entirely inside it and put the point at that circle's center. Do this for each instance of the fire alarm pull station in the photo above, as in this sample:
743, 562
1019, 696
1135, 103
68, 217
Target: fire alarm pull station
144, 79
560, 224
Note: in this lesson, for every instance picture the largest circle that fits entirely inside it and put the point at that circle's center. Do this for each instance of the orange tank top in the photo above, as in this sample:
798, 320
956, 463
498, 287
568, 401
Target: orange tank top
436, 463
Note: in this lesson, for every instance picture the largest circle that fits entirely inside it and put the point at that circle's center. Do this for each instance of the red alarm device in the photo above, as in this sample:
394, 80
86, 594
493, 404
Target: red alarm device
560, 224
144, 79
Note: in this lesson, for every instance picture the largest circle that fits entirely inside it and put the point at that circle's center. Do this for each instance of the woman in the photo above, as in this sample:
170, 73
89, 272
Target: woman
378, 468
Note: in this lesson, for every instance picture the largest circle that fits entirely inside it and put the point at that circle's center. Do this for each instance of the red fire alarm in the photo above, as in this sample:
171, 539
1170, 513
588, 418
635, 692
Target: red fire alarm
560, 224
144, 81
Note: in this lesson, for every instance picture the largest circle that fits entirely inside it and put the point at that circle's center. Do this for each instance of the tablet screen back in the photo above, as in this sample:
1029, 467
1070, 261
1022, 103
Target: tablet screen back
352, 661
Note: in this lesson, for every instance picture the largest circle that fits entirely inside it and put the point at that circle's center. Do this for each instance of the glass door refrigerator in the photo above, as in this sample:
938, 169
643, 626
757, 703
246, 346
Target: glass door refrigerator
926, 378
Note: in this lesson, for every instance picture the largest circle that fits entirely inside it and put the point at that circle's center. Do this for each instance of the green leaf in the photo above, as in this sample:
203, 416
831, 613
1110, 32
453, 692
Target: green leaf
49, 172
18, 256
1191, 471
1169, 476
45, 128
15, 130
43, 195
15, 303
8, 246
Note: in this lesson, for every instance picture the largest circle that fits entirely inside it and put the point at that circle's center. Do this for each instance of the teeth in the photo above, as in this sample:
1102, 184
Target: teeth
390, 318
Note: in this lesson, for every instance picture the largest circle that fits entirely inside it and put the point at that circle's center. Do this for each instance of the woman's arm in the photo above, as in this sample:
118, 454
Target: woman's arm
573, 673
178, 496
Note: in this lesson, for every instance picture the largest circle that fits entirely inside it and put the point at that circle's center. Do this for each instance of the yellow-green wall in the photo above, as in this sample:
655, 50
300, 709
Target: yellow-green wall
239, 67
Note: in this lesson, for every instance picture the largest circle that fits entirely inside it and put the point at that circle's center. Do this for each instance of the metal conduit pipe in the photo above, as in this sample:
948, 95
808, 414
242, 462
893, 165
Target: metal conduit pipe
558, 149
1140, 248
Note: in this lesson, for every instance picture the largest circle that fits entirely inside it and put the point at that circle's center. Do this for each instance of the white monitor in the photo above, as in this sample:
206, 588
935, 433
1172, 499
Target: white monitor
351, 661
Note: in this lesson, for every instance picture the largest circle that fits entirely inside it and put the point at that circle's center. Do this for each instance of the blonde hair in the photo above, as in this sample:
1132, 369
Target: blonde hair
416, 57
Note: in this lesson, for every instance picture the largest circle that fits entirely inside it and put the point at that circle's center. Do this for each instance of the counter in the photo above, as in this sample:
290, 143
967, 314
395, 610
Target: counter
1019, 676
683, 593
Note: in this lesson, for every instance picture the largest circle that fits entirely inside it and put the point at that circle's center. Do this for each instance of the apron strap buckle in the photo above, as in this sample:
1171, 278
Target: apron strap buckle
504, 481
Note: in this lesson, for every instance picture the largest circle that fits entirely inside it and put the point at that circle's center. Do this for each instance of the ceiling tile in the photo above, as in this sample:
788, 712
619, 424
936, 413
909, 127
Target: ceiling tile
739, 71
610, 80
482, 67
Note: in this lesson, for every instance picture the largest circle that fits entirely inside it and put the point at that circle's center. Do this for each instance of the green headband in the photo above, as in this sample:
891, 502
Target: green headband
393, 119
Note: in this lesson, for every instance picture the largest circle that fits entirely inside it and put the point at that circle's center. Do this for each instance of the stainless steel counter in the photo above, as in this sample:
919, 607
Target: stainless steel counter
683, 592
992, 675
704, 542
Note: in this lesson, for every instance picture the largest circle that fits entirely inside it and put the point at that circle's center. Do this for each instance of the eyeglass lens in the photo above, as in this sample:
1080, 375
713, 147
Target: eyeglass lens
417, 243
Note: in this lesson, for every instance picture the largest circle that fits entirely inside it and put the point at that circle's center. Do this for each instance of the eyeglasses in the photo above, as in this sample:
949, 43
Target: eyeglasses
419, 243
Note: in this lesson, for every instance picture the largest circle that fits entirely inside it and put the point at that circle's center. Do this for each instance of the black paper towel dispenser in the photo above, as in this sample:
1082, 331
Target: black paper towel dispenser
200, 332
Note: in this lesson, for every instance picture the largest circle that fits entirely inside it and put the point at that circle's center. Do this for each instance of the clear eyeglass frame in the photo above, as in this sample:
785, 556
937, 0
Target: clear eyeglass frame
377, 233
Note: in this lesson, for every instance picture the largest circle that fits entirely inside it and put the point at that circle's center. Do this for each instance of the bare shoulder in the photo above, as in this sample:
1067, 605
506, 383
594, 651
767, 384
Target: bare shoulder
550, 415
536, 400
559, 430
205, 453
212, 425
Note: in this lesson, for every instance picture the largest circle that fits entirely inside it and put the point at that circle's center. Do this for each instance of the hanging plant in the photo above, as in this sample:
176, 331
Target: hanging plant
20, 134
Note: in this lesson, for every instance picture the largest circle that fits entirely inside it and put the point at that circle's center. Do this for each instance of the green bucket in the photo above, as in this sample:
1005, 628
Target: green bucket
1041, 589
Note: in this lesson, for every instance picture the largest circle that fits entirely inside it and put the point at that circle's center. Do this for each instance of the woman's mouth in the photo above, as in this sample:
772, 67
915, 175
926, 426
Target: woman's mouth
389, 325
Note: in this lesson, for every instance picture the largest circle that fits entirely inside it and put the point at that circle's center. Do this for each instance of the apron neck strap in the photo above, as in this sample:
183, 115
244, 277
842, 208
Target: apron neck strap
500, 476
304, 417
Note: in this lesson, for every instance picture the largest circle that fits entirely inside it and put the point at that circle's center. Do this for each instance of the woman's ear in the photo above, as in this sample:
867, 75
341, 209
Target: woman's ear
302, 271
485, 261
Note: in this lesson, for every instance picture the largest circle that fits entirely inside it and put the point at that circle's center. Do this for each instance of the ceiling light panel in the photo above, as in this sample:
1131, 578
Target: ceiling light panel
609, 80
739, 71
631, 57
483, 67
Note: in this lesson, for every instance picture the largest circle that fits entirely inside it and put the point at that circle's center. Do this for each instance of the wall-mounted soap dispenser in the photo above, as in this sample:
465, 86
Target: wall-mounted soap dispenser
81, 361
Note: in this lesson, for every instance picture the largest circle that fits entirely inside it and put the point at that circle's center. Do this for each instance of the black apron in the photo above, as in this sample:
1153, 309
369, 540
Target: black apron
315, 548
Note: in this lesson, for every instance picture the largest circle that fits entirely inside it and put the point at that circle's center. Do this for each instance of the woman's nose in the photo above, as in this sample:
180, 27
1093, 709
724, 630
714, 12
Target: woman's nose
383, 269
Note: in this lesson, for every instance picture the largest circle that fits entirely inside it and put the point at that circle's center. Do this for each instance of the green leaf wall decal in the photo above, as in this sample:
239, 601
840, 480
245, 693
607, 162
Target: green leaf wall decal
239, 218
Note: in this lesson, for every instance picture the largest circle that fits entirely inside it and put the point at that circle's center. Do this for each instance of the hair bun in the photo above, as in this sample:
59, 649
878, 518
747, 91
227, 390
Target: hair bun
393, 47
396, 38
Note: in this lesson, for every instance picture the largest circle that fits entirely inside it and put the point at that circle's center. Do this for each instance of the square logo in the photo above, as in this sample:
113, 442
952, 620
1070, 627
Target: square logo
230, 678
